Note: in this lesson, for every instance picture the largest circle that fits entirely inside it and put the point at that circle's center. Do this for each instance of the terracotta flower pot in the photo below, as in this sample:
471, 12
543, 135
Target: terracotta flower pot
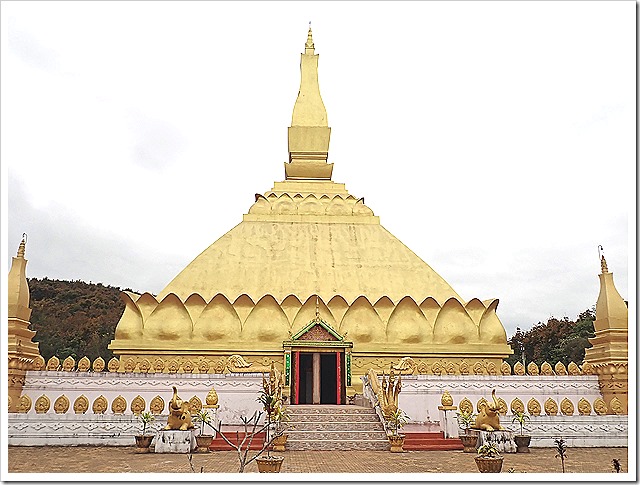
522, 442
203, 441
397, 441
143, 443
489, 465
469, 441
269, 464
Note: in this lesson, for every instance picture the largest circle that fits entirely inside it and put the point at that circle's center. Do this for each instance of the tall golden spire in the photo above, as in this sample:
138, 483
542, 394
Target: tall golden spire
17, 285
609, 353
309, 132
21, 348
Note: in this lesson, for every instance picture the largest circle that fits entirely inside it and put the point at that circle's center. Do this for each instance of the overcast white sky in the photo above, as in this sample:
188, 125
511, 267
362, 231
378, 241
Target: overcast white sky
495, 139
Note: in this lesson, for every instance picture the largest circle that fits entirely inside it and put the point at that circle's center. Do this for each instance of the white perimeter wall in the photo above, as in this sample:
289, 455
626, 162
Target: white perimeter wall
237, 393
421, 395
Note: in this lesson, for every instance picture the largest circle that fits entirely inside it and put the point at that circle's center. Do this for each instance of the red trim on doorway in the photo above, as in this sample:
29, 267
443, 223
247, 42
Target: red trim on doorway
338, 378
297, 370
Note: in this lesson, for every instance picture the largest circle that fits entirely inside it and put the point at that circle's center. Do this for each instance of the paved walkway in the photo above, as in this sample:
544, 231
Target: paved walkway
125, 460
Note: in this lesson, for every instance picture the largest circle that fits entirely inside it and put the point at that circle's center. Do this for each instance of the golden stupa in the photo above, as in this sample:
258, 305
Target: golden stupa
311, 280
609, 354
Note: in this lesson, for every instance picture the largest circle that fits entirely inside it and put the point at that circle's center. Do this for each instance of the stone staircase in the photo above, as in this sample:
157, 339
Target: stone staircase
333, 427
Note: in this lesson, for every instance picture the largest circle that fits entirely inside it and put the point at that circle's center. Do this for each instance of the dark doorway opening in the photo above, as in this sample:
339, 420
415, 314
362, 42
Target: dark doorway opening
328, 379
305, 393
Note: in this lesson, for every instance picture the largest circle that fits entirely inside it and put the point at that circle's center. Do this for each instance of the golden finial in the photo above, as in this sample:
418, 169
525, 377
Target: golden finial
446, 399
22, 246
603, 262
212, 397
308, 46
317, 308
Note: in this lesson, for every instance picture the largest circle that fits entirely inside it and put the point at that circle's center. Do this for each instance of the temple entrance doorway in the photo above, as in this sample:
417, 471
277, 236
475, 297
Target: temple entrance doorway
305, 381
317, 365
317, 378
328, 390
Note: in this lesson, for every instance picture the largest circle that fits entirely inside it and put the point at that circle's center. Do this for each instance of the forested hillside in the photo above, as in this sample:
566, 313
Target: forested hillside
557, 340
74, 318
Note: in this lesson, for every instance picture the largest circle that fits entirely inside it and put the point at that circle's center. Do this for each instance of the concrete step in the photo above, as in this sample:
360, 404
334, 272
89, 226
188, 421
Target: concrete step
430, 441
329, 409
345, 435
318, 418
381, 445
334, 425
433, 447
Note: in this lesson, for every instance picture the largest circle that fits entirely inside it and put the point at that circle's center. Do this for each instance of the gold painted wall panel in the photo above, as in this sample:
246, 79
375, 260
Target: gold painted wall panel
266, 322
308, 313
407, 324
217, 322
170, 320
454, 325
130, 325
362, 323
195, 305
490, 329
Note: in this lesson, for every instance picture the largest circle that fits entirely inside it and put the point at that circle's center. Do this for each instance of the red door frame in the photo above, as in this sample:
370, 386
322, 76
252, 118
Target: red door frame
338, 378
297, 381
296, 394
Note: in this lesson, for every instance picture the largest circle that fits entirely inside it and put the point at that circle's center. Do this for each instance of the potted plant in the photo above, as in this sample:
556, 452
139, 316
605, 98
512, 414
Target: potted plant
395, 421
203, 440
469, 441
280, 416
522, 440
143, 441
489, 459
270, 400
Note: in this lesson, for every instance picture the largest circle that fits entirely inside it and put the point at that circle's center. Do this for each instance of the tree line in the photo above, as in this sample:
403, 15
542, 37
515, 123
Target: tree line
74, 318
557, 340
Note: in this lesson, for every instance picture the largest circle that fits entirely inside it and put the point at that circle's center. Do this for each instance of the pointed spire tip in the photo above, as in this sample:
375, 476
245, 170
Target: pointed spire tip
23, 243
308, 46
603, 262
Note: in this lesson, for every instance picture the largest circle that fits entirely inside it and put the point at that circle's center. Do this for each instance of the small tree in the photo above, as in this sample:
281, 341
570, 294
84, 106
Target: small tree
520, 418
466, 420
146, 417
561, 447
280, 415
271, 400
270, 404
396, 420
243, 447
203, 418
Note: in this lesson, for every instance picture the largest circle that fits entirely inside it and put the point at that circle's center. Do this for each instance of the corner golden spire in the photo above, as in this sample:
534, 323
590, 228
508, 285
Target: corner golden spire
609, 353
17, 285
22, 350
309, 132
